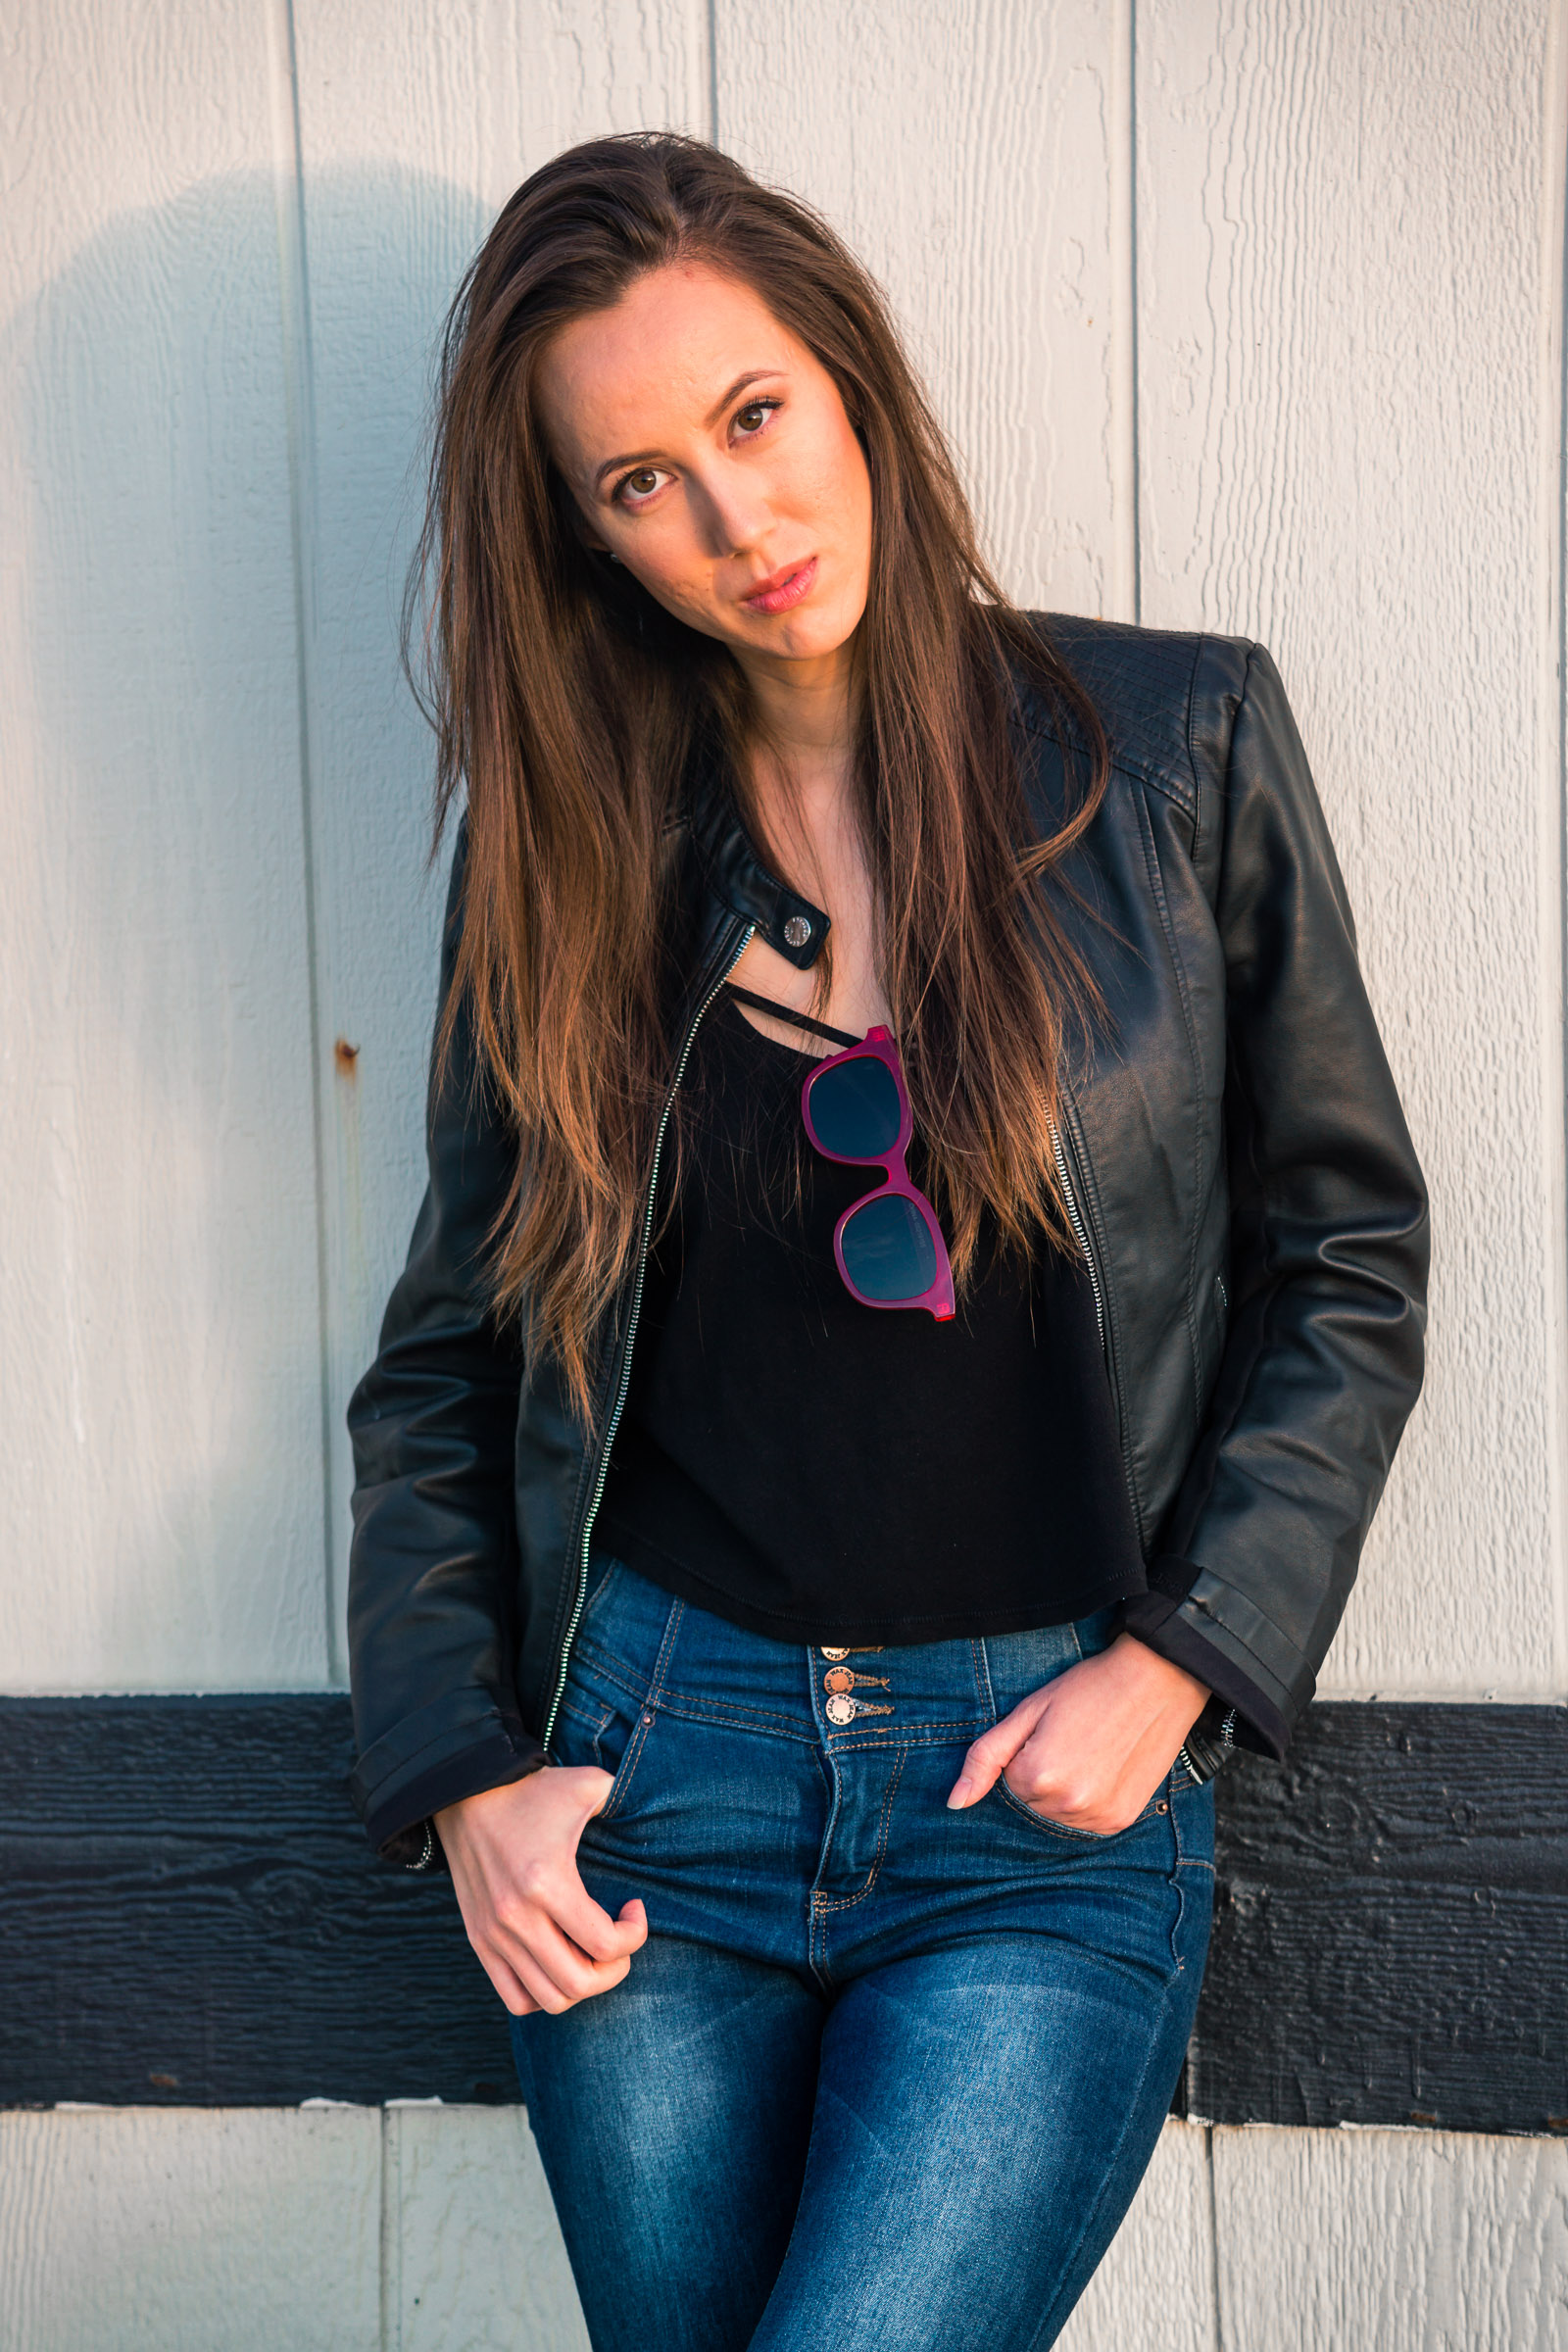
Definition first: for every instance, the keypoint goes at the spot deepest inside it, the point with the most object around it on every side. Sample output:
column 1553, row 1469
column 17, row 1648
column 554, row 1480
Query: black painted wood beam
column 189, row 1916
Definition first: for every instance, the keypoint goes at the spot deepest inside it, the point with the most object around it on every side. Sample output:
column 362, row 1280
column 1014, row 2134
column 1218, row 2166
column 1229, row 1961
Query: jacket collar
column 733, row 873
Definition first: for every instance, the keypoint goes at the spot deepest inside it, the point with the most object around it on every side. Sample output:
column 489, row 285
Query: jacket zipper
column 1078, row 1219
column 1080, row 1235
column 613, row 1423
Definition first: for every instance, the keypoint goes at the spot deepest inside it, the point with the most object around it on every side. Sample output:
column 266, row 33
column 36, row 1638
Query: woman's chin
column 802, row 635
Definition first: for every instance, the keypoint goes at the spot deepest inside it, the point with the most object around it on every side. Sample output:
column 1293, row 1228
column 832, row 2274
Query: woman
column 920, row 1286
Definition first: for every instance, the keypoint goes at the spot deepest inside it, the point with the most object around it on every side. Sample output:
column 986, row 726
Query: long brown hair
column 567, row 703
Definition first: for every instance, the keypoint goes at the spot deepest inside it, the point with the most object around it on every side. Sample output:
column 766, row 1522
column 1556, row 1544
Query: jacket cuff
column 396, row 1827
column 1177, row 1620
column 461, row 1743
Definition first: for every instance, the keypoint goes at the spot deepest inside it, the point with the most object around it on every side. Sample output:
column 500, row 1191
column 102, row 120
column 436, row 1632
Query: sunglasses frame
column 878, row 1045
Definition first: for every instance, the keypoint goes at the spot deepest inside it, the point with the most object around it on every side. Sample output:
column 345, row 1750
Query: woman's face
column 709, row 451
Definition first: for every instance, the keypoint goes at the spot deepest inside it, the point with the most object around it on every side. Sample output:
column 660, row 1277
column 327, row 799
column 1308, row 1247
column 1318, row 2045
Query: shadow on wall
column 164, row 1166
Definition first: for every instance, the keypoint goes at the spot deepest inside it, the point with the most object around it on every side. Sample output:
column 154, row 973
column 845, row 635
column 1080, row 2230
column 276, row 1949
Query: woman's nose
column 734, row 511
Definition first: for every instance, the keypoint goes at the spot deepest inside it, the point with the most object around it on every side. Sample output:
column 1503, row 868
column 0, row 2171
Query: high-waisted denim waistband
column 694, row 1663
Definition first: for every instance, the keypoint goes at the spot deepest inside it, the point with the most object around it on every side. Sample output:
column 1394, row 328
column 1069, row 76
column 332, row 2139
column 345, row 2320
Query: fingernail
column 961, row 1791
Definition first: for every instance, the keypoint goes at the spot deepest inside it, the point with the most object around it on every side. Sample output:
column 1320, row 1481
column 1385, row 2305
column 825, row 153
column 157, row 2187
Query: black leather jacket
column 1237, row 1161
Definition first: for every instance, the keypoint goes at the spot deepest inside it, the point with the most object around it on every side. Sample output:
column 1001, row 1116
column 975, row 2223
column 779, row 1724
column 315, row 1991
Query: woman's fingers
column 555, row 1971
column 507, row 1982
column 995, row 1749
column 591, row 1928
column 566, row 1947
column 544, row 1942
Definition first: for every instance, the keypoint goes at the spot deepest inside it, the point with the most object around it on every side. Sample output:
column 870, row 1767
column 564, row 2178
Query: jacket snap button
column 797, row 931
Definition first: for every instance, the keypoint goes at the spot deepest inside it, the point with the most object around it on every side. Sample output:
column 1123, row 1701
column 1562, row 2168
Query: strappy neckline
column 787, row 1013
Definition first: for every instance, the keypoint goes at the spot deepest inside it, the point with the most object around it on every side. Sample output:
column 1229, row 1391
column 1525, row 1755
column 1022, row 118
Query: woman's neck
column 805, row 754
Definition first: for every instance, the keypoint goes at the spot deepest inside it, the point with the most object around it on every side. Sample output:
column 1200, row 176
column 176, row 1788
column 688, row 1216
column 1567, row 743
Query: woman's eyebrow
column 642, row 457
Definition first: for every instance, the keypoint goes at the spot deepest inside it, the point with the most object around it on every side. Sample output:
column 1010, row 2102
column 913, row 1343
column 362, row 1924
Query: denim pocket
column 1157, row 1804
column 608, row 1731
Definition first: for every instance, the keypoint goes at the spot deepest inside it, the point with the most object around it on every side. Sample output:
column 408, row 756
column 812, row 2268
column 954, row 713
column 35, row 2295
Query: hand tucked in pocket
column 542, row 1939
column 1091, row 1747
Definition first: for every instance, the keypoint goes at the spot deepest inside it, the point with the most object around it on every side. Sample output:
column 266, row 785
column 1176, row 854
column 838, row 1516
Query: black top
column 832, row 1473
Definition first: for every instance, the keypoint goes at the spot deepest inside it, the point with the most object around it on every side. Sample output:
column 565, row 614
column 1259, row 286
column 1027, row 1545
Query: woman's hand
column 543, row 1940
column 1090, row 1748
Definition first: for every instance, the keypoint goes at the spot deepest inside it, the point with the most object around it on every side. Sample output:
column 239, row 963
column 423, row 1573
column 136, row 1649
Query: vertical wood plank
column 1154, row 2290
column 1408, row 2241
column 415, row 124
column 162, row 1513
column 180, row 2230
column 480, row 2264
column 968, row 153
column 1349, row 449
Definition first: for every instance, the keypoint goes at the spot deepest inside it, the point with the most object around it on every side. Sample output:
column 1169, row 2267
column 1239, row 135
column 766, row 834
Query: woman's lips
column 782, row 589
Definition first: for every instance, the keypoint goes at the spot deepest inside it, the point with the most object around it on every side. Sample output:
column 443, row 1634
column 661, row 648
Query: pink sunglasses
column 888, row 1246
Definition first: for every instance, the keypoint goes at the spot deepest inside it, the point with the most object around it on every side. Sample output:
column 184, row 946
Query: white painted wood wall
column 1246, row 314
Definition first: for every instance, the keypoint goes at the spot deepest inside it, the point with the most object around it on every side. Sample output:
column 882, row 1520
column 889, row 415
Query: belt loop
column 655, row 1689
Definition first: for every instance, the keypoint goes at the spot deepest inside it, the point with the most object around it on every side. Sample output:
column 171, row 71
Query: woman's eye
column 750, row 420
column 636, row 488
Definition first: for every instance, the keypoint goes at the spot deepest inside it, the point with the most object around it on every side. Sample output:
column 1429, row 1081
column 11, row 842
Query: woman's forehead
column 668, row 353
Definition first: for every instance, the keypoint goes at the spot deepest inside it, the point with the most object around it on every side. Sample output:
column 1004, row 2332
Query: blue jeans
column 881, row 2071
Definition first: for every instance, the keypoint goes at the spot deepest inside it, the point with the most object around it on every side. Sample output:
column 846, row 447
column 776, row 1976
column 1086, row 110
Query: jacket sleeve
column 1329, row 1247
column 433, row 1579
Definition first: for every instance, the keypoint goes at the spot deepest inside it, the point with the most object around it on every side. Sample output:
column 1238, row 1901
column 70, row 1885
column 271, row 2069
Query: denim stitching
column 988, row 1696
column 1064, row 1829
column 817, row 1949
column 894, row 1735
column 825, row 1904
column 734, row 1712
column 649, row 1702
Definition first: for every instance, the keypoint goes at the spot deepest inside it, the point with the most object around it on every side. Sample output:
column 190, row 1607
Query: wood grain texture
column 415, row 124
column 970, row 153
column 1405, row 2241
column 1391, row 1932
column 160, row 1382
column 189, row 1915
column 477, row 2263
column 1156, row 2286
column 171, row 2232
column 1349, row 448
column 234, row 1941
column 481, row 2266
column 166, row 2231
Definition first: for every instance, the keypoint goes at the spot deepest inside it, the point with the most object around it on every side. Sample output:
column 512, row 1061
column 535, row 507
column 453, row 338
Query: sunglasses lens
column 888, row 1251
column 854, row 1108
